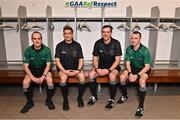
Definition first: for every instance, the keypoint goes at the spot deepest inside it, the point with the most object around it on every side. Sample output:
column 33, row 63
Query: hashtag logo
column 67, row 4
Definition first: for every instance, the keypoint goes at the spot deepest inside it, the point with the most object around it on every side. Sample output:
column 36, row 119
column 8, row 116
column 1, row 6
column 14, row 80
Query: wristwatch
column 129, row 73
column 138, row 75
column 44, row 75
column 79, row 70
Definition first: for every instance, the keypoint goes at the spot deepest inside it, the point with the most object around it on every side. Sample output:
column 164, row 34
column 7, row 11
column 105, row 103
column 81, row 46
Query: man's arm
column 128, row 66
column 27, row 70
column 48, row 66
column 95, row 62
column 145, row 69
column 81, row 63
column 116, row 63
column 59, row 65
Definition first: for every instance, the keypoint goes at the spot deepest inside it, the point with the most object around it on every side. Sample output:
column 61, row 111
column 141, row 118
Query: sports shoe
column 80, row 102
column 49, row 104
column 65, row 105
column 27, row 107
column 110, row 104
column 92, row 100
column 139, row 112
column 122, row 99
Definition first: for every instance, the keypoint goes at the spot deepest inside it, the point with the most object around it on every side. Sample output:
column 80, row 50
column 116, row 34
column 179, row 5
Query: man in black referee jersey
column 106, row 58
column 69, row 61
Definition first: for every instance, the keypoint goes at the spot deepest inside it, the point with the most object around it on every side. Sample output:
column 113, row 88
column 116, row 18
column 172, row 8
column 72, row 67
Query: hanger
column 151, row 27
column 82, row 26
column 33, row 26
column 5, row 26
column 163, row 27
column 173, row 26
column 123, row 27
column 136, row 27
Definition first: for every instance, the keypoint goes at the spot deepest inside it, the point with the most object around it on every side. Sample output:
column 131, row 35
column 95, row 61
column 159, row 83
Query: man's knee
column 123, row 77
column 112, row 77
column 81, row 77
column 26, row 82
column 142, row 80
column 92, row 74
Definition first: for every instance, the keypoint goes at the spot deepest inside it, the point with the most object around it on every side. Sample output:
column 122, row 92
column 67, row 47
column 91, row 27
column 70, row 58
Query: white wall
column 37, row 8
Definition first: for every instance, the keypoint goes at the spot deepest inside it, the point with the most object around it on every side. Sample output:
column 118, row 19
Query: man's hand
column 102, row 72
column 71, row 72
column 42, row 78
column 132, row 78
column 36, row 80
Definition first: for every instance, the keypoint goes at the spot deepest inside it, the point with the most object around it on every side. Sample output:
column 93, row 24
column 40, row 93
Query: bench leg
column 40, row 89
column 155, row 87
column 99, row 87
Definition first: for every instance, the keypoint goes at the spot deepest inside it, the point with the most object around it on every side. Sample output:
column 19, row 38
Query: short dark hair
column 107, row 26
column 67, row 28
column 137, row 32
column 34, row 33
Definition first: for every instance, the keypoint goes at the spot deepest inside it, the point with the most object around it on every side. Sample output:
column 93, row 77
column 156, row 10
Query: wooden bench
column 156, row 76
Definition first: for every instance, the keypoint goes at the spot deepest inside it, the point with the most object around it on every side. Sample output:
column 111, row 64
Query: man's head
column 107, row 32
column 68, row 33
column 135, row 38
column 36, row 39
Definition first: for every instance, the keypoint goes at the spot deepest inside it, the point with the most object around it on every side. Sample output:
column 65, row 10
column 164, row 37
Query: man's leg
column 112, row 89
column 28, row 93
column 50, row 91
column 93, row 87
column 64, row 90
column 81, row 88
column 123, row 87
column 142, row 94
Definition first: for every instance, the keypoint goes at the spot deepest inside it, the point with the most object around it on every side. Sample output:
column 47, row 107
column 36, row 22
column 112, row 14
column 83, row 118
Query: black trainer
column 110, row 104
column 49, row 104
column 27, row 107
column 65, row 105
column 122, row 99
column 80, row 102
column 92, row 100
column 139, row 113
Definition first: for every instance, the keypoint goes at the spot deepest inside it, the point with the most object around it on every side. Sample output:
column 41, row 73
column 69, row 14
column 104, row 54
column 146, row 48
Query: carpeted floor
column 164, row 104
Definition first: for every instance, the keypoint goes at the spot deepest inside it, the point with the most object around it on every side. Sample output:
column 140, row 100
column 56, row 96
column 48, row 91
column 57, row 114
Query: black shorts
column 118, row 68
column 137, row 70
column 67, row 68
column 37, row 72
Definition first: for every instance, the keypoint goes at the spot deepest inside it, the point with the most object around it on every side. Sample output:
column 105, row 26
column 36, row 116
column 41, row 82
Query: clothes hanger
column 82, row 26
column 123, row 27
column 136, row 27
column 173, row 26
column 25, row 26
column 5, row 26
column 151, row 27
column 163, row 27
column 35, row 26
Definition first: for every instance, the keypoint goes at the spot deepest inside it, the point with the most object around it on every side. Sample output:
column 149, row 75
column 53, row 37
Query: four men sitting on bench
column 69, row 60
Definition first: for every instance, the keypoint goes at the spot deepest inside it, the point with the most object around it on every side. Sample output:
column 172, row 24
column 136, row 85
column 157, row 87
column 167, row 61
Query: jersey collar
column 42, row 46
column 138, row 48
